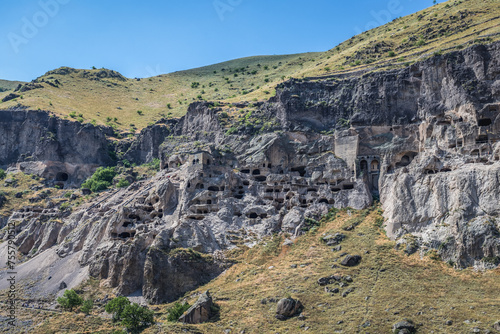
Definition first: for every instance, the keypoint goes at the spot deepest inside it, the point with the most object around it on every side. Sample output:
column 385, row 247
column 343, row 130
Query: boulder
column 404, row 327
column 351, row 260
column 496, row 326
column 287, row 308
column 200, row 312
column 333, row 239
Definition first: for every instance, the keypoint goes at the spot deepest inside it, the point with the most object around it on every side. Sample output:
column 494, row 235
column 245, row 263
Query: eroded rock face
column 419, row 137
column 169, row 276
column 60, row 150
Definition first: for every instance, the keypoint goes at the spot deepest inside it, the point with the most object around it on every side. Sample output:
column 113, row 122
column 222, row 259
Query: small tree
column 87, row 306
column 135, row 316
column 2, row 174
column 69, row 300
column 116, row 306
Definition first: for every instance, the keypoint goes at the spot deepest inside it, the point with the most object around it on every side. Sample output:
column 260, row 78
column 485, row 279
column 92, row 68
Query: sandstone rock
column 287, row 308
column 351, row 260
column 200, row 312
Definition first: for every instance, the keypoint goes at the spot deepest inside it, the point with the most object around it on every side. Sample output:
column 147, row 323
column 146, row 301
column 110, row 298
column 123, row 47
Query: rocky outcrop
column 169, row 276
column 420, row 138
column 63, row 151
column 398, row 97
column 146, row 146
column 426, row 138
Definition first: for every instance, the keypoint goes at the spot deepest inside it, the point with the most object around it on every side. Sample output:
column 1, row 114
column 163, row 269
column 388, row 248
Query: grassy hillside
column 131, row 104
column 388, row 286
column 6, row 85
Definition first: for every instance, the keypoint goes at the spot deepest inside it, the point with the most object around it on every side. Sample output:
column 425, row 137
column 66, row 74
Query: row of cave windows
column 481, row 122
column 300, row 170
column 270, row 190
column 197, row 162
column 202, row 186
column 254, row 215
column 123, row 235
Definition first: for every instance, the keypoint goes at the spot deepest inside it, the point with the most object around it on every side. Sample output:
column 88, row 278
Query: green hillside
column 104, row 96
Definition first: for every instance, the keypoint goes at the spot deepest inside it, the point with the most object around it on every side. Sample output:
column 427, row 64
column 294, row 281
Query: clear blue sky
column 150, row 37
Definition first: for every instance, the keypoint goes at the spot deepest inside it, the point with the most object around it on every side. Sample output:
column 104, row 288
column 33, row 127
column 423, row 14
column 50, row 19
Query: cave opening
column 301, row 170
column 348, row 186
column 62, row 177
column 484, row 122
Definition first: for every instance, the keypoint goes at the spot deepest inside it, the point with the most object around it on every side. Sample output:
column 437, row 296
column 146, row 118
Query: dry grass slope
column 388, row 286
column 95, row 95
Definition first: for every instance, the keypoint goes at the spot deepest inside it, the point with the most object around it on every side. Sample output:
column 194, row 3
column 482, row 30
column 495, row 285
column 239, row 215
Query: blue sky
column 151, row 37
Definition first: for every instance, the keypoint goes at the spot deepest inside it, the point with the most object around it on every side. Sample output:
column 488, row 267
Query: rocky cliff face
column 433, row 87
column 432, row 130
column 59, row 150
column 424, row 138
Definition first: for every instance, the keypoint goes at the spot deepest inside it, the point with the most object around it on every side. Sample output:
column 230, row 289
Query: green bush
column 176, row 311
column 101, row 179
column 116, row 306
column 3, row 174
column 154, row 165
column 122, row 183
column 87, row 306
column 69, row 300
column 135, row 316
